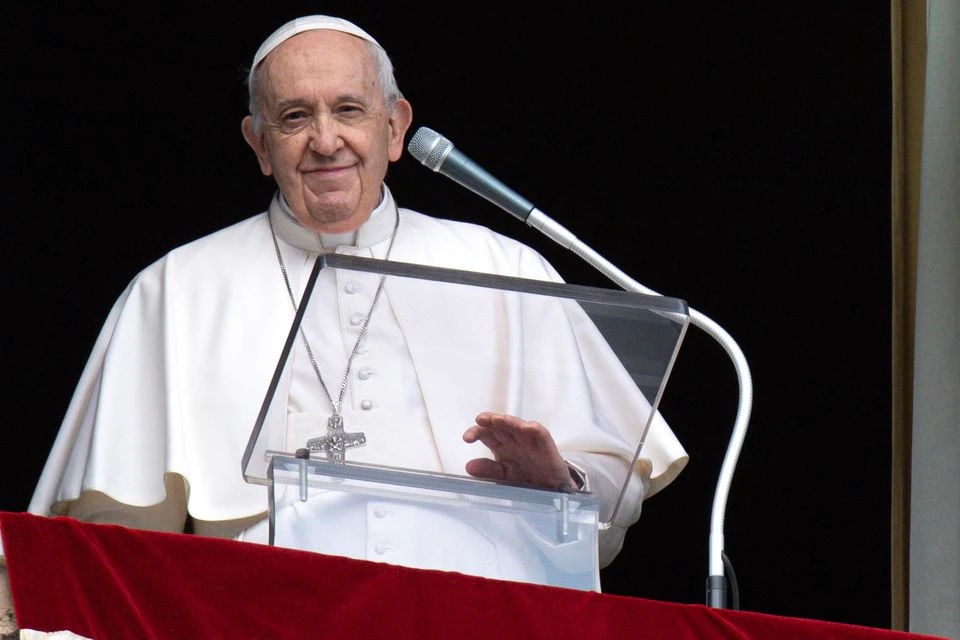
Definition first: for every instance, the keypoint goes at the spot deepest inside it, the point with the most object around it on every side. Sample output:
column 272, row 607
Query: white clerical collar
column 378, row 227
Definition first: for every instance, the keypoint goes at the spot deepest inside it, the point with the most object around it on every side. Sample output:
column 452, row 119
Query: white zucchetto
column 307, row 23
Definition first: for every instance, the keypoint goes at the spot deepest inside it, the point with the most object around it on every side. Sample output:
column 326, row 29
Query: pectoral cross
column 336, row 441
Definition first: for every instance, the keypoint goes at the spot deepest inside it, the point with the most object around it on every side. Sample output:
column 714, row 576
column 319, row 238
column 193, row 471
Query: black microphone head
column 429, row 147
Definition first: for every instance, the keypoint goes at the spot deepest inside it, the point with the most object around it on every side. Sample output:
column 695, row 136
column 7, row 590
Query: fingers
column 486, row 468
column 503, row 420
column 500, row 431
column 523, row 451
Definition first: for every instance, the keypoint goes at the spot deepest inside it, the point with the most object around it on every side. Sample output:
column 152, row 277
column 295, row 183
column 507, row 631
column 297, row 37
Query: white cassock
column 180, row 369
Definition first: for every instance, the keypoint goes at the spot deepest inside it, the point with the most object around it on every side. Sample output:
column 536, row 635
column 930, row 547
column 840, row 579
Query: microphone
column 438, row 154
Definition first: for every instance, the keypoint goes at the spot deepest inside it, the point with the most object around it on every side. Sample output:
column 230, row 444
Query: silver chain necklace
column 336, row 440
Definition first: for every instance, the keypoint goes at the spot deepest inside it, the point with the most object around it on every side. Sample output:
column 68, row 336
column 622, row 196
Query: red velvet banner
column 109, row 582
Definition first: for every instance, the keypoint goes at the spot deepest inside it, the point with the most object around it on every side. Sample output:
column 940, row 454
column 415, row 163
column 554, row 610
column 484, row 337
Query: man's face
column 327, row 137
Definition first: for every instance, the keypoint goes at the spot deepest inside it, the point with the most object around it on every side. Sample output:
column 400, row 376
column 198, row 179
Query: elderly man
column 162, row 413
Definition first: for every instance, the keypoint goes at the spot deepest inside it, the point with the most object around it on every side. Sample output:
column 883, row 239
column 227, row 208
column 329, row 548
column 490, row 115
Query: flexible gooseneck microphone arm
column 438, row 154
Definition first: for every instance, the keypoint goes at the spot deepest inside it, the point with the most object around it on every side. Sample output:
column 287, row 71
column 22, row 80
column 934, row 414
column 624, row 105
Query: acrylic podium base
column 434, row 521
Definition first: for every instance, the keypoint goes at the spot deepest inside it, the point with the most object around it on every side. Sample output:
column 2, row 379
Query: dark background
column 735, row 155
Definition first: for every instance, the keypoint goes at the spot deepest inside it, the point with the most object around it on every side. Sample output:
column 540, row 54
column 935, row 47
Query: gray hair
column 385, row 78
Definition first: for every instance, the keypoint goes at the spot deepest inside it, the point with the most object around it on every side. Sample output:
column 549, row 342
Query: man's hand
column 524, row 452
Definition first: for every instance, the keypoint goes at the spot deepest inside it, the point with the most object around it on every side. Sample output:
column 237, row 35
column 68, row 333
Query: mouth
column 325, row 172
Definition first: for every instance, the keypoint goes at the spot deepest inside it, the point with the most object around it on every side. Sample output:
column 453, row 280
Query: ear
column 399, row 122
column 256, row 143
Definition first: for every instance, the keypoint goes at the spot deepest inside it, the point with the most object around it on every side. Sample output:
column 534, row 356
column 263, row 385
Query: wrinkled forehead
column 307, row 23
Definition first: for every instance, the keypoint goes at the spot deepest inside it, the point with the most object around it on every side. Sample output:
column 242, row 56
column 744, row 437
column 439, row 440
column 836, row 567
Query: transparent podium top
column 430, row 348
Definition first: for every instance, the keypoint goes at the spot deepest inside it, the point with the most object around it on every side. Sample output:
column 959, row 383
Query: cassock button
column 357, row 319
column 365, row 373
column 351, row 287
column 366, row 405
column 381, row 549
column 380, row 512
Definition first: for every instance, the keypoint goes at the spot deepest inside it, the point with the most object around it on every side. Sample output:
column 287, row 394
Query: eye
column 293, row 120
column 294, row 117
column 351, row 111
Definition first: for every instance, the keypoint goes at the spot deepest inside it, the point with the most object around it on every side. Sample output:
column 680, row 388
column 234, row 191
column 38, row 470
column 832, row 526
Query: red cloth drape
column 110, row 582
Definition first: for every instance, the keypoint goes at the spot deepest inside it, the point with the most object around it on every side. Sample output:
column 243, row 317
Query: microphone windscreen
column 429, row 147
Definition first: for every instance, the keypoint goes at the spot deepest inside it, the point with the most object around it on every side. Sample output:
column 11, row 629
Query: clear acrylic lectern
column 588, row 363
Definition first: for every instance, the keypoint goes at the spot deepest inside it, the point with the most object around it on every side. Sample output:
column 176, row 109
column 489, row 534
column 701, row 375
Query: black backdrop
column 735, row 155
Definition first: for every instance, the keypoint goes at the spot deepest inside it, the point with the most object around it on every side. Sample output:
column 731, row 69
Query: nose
column 324, row 134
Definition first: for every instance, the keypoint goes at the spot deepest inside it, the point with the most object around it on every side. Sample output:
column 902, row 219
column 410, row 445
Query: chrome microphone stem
column 556, row 232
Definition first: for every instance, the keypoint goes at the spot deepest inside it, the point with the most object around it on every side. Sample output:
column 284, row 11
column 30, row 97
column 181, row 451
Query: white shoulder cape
column 175, row 380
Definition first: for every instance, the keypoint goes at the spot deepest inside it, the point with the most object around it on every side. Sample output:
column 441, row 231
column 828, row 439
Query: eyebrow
column 283, row 105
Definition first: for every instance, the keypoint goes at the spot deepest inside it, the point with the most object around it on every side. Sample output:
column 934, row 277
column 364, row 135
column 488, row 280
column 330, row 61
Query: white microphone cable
column 438, row 154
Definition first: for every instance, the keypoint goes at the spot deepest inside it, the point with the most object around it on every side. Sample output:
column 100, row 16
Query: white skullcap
column 307, row 23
